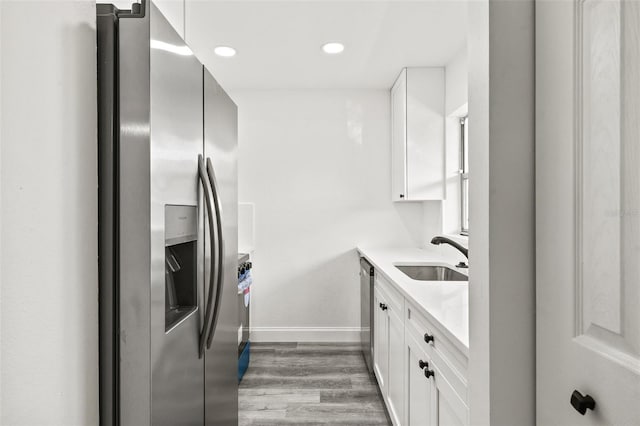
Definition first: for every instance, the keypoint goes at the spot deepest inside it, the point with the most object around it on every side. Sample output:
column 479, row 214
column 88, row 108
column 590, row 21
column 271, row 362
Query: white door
column 448, row 409
column 381, row 341
column 396, row 365
column 588, row 211
column 418, row 387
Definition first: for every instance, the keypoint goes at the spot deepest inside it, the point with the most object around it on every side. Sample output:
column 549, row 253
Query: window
column 464, row 175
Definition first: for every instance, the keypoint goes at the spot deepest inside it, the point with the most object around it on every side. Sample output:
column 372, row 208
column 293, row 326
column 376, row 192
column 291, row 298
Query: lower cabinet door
column 380, row 342
column 396, row 367
column 449, row 408
column 418, row 387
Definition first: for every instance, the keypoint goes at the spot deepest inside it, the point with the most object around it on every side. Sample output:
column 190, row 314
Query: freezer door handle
column 219, row 250
column 202, row 174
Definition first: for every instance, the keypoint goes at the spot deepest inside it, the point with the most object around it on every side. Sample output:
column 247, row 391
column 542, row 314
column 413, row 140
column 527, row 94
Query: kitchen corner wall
column 48, row 214
column 316, row 163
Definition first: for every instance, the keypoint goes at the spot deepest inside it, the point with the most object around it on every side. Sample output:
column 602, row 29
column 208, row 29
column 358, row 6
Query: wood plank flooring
column 309, row 384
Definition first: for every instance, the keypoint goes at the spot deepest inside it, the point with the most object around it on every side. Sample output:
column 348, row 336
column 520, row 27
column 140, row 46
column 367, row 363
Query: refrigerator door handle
column 202, row 174
column 219, row 249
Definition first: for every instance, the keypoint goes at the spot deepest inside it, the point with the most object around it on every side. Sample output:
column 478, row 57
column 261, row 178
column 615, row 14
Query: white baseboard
column 305, row 334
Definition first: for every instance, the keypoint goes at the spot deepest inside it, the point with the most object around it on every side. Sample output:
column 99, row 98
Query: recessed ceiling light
column 225, row 51
column 333, row 48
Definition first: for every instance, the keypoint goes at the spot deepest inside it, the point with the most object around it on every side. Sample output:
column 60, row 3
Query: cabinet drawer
column 450, row 361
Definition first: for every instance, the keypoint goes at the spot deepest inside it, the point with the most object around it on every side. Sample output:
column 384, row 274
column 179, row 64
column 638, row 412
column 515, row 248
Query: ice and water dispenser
column 181, row 261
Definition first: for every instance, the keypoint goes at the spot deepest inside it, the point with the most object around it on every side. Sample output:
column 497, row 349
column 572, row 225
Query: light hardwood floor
column 309, row 384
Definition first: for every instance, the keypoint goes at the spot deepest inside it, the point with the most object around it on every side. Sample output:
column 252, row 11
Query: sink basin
column 432, row 273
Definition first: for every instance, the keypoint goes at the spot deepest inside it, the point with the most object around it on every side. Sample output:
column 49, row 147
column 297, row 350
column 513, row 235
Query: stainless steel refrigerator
column 168, row 228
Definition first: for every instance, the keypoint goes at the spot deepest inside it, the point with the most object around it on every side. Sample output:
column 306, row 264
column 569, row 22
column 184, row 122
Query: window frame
column 464, row 176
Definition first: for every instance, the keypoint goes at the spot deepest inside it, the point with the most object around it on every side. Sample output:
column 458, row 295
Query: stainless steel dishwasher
column 366, row 312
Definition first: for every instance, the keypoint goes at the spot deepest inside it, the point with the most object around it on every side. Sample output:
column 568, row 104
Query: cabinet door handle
column 428, row 337
column 423, row 364
column 582, row 403
column 383, row 307
column 401, row 195
column 428, row 373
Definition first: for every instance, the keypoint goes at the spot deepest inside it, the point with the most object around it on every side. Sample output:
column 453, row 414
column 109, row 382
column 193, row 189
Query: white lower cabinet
column 419, row 388
column 421, row 375
column 381, row 340
column 395, row 393
column 448, row 408
column 388, row 357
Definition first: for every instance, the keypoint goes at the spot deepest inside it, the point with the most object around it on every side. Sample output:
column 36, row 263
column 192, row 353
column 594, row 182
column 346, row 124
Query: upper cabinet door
column 417, row 116
column 398, row 138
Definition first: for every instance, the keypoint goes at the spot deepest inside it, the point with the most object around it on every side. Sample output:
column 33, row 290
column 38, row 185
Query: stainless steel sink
column 432, row 273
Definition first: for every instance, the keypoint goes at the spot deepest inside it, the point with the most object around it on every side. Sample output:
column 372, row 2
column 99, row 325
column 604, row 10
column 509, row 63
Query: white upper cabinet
column 417, row 135
column 398, row 138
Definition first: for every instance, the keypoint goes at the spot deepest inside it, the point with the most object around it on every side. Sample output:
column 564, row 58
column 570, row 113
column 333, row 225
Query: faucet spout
column 439, row 240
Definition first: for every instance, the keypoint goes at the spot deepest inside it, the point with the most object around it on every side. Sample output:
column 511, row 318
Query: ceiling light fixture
column 333, row 48
column 225, row 51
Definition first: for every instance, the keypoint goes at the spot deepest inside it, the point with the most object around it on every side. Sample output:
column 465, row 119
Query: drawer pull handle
column 428, row 373
column 582, row 403
column 428, row 337
column 423, row 364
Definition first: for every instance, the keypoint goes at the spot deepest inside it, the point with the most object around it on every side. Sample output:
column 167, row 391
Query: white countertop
column 445, row 303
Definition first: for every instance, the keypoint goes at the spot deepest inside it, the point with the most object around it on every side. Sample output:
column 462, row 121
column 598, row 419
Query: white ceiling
column 279, row 42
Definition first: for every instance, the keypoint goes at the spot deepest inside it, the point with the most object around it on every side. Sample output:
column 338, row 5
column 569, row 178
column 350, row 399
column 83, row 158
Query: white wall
column 432, row 224
column 456, row 99
column 502, row 231
column 317, row 166
column 457, row 82
column 48, row 215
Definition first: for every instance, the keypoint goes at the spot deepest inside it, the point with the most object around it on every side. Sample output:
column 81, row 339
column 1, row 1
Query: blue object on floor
column 243, row 361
